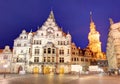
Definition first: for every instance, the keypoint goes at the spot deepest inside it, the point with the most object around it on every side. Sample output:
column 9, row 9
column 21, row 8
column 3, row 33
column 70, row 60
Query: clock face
column 50, row 30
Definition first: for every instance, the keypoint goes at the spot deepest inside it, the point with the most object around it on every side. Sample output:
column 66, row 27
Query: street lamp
column 5, row 66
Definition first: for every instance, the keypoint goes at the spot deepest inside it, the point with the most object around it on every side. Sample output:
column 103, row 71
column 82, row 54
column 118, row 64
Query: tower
column 94, row 37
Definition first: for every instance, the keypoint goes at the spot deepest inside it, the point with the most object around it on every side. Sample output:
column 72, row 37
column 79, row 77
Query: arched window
column 49, row 50
column 53, row 51
column 44, row 50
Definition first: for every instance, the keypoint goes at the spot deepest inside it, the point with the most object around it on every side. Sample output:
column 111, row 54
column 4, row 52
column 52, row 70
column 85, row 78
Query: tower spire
column 92, row 25
column 111, row 21
column 51, row 15
column 91, row 16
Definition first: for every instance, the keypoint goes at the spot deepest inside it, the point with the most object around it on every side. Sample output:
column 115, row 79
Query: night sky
column 71, row 15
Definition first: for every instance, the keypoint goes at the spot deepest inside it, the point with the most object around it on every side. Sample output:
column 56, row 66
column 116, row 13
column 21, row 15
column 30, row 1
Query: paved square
column 59, row 79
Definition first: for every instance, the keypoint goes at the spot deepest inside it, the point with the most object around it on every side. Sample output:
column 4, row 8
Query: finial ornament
column 68, row 32
column 51, row 15
column 91, row 16
column 111, row 21
column 38, row 27
column 31, row 31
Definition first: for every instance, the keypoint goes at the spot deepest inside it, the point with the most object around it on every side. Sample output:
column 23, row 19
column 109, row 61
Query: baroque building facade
column 50, row 50
column 5, row 59
column 113, row 46
column 44, row 51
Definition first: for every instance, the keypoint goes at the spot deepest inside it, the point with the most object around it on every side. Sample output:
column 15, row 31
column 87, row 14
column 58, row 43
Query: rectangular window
column 36, row 59
column 67, row 42
column 53, row 51
column 37, row 51
column 29, row 50
column 62, row 51
column 82, row 59
column 44, row 59
column 52, row 59
column 18, row 45
column 58, row 42
column 40, row 42
column 61, row 60
column 68, row 51
column 49, row 50
column 74, row 59
column 48, row 59
column 77, row 59
column 34, row 41
column 86, row 60
column 44, row 50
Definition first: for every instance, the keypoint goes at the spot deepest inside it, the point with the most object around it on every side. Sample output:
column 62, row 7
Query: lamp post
column 5, row 66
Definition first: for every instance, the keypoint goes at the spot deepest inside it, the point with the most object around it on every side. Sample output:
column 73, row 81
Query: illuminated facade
column 6, row 58
column 113, row 46
column 94, row 38
column 48, row 50
column 99, row 58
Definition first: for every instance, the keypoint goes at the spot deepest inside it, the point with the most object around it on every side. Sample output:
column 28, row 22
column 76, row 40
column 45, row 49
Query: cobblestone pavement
column 59, row 79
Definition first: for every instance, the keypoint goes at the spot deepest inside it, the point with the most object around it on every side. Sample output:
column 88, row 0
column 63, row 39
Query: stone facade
column 50, row 50
column 95, row 45
column 6, row 58
column 113, row 45
column 44, row 51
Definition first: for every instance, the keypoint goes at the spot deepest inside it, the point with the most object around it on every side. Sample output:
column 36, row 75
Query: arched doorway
column 35, row 70
column 20, row 68
column 61, row 71
column 46, row 70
